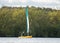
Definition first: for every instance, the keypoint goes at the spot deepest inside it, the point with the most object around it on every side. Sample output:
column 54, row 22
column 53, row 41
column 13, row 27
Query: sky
column 38, row 3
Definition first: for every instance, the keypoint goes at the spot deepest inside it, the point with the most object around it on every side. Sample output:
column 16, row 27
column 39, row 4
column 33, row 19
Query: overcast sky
column 39, row 3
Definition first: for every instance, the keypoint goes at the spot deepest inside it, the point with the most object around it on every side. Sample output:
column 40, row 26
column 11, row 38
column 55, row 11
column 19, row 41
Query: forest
column 43, row 22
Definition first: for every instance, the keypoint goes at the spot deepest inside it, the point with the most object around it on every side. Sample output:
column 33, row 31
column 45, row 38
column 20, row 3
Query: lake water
column 29, row 40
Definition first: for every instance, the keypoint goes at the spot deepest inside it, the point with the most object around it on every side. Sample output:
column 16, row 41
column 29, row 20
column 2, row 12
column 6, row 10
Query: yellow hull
column 25, row 37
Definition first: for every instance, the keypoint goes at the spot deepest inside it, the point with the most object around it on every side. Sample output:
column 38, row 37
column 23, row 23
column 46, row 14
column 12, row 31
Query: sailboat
column 27, row 24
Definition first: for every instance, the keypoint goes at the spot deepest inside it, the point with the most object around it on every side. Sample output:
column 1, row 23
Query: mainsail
column 27, row 19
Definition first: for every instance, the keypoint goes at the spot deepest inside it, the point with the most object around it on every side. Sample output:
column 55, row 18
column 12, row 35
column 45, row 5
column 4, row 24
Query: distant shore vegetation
column 43, row 22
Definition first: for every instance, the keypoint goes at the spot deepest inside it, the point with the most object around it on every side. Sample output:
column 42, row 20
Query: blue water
column 29, row 40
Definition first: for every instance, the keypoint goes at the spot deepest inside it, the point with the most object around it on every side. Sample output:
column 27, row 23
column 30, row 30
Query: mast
column 27, row 20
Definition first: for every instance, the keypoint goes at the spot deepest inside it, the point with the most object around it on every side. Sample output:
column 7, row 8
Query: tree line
column 44, row 22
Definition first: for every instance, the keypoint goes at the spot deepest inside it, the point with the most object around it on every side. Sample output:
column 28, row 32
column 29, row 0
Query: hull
column 25, row 37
